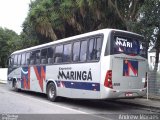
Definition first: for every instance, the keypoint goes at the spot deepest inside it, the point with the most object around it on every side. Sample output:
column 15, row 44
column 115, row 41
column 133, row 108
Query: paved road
column 34, row 103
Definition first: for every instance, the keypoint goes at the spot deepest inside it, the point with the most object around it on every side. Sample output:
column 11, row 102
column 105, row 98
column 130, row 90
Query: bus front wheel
column 14, row 85
column 51, row 92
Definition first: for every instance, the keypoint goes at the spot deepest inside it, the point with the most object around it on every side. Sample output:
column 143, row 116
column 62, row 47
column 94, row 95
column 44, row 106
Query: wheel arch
column 48, row 82
column 14, row 79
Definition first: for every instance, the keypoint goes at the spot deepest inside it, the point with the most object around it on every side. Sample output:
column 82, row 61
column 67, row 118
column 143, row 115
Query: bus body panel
column 76, row 80
column 88, row 86
column 137, row 90
column 36, row 79
column 128, row 73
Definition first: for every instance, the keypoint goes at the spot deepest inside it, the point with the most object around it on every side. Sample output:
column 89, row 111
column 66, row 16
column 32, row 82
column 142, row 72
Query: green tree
column 127, row 11
column 8, row 43
column 38, row 17
column 57, row 19
column 3, row 50
column 148, row 24
column 28, row 35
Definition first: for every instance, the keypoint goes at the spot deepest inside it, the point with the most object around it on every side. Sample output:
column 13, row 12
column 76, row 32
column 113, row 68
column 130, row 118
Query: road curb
column 149, row 107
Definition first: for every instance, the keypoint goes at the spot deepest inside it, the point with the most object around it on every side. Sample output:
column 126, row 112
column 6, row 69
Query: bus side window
column 58, row 54
column 23, row 62
column 99, row 47
column 15, row 60
column 11, row 61
column 44, row 56
column 50, row 55
column 19, row 59
column 32, row 58
column 92, row 49
column 37, row 57
column 95, row 46
column 27, row 58
column 76, row 49
column 83, row 51
column 67, row 53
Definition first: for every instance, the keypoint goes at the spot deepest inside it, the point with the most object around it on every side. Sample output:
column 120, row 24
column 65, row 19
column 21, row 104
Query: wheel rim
column 51, row 92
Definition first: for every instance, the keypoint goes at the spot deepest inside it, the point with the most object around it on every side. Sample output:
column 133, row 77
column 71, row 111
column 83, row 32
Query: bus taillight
column 145, row 84
column 108, row 79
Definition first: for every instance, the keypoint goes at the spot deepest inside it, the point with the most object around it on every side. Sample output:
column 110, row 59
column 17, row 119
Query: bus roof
column 72, row 38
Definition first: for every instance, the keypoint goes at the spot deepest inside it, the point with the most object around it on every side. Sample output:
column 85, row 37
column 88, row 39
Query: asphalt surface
column 31, row 105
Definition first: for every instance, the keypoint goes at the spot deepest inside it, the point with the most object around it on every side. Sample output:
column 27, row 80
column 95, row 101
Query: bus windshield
column 129, row 46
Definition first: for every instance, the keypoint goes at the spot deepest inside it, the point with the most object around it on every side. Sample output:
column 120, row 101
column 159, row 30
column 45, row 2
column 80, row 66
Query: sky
column 13, row 14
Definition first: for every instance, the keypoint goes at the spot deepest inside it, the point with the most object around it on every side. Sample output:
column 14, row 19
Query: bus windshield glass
column 129, row 46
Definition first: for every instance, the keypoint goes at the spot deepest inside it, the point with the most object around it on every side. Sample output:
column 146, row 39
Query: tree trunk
column 157, row 59
column 157, row 47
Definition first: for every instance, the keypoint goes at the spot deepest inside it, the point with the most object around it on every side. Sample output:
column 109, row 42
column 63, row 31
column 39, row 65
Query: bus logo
column 130, row 68
column 123, row 42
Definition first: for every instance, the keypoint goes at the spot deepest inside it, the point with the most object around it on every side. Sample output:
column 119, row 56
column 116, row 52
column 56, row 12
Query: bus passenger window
column 99, row 47
column 32, row 58
column 27, row 58
column 58, row 54
column 67, row 53
column 83, row 52
column 50, row 55
column 92, row 49
column 76, row 49
column 19, row 59
column 15, row 59
column 11, row 61
column 44, row 56
column 23, row 62
column 37, row 56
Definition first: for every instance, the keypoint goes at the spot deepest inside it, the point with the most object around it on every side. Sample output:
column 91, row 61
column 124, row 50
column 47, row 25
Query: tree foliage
column 9, row 41
column 127, row 11
column 148, row 25
column 55, row 19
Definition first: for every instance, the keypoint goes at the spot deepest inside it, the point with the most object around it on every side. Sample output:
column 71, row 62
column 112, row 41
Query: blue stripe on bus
column 79, row 85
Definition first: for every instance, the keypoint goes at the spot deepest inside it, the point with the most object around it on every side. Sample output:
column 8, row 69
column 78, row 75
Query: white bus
column 102, row 64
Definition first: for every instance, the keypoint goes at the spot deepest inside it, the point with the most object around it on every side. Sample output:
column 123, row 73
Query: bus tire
column 51, row 92
column 14, row 85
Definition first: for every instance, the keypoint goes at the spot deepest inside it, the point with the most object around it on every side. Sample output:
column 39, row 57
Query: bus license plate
column 128, row 94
